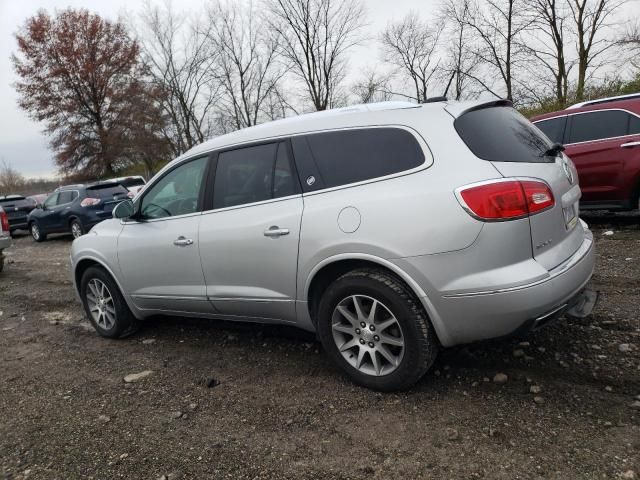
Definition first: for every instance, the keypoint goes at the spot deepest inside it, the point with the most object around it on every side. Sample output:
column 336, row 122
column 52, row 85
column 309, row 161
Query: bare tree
column 372, row 87
column 184, row 69
column 11, row 181
column 412, row 46
column 461, row 62
column 496, row 26
column 314, row 37
column 247, row 58
column 590, row 19
column 548, row 45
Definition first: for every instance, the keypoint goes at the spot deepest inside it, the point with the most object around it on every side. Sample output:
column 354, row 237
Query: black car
column 17, row 209
column 75, row 209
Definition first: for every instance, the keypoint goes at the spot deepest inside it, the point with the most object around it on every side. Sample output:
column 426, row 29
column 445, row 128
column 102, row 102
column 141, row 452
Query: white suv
column 389, row 229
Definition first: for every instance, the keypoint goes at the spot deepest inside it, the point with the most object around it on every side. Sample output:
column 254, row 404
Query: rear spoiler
column 460, row 108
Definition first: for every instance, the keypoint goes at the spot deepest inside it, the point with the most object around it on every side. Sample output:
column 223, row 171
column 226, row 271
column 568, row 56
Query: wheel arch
column 85, row 263
column 331, row 268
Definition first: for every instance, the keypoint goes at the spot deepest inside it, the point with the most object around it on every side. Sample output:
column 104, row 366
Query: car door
column 158, row 249
column 49, row 218
column 249, row 238
column 593, row 141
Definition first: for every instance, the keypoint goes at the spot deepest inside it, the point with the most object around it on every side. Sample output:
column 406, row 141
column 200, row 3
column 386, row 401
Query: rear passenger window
column 598, row 125
column 553, row 128
column 66, row 197
column 350, row 156
column 253, row 174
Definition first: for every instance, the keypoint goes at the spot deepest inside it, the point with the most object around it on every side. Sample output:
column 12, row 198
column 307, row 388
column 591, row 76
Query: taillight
column 507, row 199
column 89, row 202
column 4, row 220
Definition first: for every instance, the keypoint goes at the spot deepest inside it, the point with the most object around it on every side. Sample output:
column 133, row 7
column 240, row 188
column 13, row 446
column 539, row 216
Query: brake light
column 507, row 199
column 4, row 220
column 89, row 202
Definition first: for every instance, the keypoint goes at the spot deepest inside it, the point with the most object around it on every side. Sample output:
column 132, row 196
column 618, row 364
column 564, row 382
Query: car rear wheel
column 37, row 234
column 105, row 306
column 77, row 230
column 374, row 328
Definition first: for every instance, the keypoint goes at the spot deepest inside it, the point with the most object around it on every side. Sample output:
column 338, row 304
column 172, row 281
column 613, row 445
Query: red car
column 602, row 137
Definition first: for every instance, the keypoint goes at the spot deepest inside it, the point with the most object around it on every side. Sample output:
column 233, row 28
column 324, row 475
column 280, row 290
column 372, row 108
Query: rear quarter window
column 553, row 128
column 350, row 156
column 501, row 134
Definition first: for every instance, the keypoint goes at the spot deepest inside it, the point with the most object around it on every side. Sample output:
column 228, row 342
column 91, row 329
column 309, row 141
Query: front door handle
column 630, row 145
column 276, row 231
column 182, row 242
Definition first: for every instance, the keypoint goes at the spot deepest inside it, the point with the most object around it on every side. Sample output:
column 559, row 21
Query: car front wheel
column 105, row 306
column 376, row 330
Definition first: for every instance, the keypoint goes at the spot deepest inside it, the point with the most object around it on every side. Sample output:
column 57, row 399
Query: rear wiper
column 554, row 151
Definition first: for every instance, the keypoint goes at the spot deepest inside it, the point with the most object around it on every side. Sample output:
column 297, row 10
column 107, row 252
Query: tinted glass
column 244, row 175
column 66, row 196
column 283, row 177
column 553, row 128
column 109, row 190
column 51, row 200
column 176, row 193
column 350, row 156
column 501, row 134
column 598, row 125
column 132, row 182
column 634, row 124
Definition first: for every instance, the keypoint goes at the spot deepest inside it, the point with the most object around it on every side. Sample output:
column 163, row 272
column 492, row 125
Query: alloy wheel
column 367, row 335
column 101, row 304
column 76, row 231
column 35, row 231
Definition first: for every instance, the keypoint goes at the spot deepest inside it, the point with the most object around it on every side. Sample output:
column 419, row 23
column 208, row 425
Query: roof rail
column 604, row 100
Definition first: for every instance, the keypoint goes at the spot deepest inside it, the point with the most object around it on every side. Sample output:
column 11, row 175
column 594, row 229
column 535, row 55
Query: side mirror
column 124, row 209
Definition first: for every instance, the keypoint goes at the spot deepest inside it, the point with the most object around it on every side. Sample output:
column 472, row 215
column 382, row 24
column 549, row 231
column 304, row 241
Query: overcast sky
column 23, row 145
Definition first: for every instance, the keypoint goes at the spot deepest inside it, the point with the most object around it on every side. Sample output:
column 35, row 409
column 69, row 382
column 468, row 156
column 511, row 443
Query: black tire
column 1, row 261
column 76, row 228
column 38, row 235
column 420, row 343
column 125, row 323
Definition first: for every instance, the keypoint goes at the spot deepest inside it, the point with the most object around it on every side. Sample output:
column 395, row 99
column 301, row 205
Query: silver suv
column 389, row 229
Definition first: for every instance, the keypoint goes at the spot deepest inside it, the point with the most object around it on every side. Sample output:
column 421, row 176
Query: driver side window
column 51, row 200
column 176, row 193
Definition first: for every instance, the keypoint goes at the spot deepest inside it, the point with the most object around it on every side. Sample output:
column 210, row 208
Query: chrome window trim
column 428, row 158
column 594, row 111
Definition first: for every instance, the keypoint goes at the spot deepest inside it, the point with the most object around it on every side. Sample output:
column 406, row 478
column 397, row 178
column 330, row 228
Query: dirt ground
column 281, row 410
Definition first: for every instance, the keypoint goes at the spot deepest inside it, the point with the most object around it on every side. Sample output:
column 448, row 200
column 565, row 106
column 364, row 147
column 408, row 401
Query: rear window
column 349, row 156
column 10, row 199
column 131, row 182
column 501, row 134
column 106, row 191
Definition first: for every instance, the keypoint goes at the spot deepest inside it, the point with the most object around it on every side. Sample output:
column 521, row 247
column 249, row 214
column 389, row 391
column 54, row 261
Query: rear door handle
column 182, row 242
column 276, row 231
column 630, row 145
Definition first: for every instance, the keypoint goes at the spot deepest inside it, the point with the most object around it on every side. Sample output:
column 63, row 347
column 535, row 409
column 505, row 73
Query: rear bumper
column 470, row 316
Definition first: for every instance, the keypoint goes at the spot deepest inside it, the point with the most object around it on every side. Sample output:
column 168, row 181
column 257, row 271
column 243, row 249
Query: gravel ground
column 230, row 400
